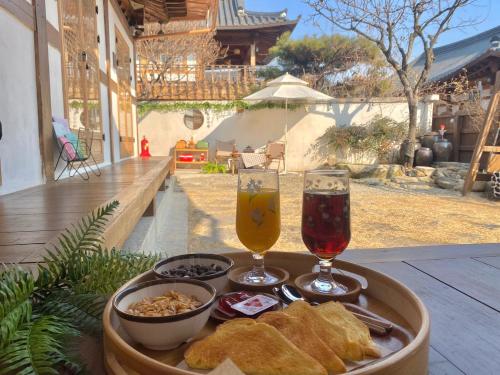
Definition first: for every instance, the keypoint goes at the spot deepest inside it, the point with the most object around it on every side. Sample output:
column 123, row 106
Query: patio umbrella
column 288, row 89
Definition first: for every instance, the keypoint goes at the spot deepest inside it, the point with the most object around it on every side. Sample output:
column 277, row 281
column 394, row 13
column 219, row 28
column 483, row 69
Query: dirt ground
column 380, row 216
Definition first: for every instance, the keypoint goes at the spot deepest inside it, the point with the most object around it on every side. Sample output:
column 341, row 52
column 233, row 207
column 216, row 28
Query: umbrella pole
column 286, row 136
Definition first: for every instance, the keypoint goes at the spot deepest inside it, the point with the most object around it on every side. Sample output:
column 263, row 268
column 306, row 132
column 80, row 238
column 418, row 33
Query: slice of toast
column 356, row 330
column 334, row 336
column 305, row 339
column 256, row 348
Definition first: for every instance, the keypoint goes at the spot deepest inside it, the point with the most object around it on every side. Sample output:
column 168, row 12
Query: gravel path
column 381, row 216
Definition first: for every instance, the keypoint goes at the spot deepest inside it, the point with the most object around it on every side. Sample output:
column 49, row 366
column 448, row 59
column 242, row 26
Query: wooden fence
column 194, row 82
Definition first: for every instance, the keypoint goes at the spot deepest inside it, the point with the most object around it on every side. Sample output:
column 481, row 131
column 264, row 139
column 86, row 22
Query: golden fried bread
column 256, row 348
column 356, row 330
column 335, row 336
column 305, row 339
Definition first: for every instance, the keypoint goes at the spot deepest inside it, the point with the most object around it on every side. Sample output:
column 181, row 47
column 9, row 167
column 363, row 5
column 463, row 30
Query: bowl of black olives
column 211, row 268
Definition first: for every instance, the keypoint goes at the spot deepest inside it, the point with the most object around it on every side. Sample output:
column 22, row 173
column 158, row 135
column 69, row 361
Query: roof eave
column 489, row 53
column 290, row 25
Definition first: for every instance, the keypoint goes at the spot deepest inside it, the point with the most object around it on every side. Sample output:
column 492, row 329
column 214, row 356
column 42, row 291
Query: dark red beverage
column 326, row 222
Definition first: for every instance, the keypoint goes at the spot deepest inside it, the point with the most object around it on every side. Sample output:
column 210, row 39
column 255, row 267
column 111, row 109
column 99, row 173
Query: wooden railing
column 194, row 82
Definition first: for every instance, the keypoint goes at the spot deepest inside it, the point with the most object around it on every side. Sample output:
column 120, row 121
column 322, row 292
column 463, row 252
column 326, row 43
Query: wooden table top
column 460, row 285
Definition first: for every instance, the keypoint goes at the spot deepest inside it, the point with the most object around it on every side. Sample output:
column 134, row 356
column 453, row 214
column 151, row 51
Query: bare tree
column 395, row 26
column 157, row 56
column 458, row 91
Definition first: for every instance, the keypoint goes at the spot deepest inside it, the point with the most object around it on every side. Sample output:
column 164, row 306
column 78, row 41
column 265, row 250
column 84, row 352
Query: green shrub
column 212, row 168
column 379, row 136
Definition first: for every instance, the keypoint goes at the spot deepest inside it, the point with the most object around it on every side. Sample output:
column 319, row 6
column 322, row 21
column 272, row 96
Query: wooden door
column 125, row 123
column 81, row 72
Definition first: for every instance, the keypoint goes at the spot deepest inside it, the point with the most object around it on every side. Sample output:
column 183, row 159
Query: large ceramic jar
column 429, row 139
column 442, row 150
column 423, row 157
column 404, row 148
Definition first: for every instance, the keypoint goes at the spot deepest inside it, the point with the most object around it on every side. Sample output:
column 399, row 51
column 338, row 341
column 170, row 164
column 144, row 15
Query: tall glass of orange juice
column 258, row 219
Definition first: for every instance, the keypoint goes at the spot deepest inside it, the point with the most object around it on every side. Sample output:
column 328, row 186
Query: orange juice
column 258, row 219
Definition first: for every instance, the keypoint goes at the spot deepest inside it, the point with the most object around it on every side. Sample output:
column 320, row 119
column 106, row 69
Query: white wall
column 21, row 165
column 256, row 128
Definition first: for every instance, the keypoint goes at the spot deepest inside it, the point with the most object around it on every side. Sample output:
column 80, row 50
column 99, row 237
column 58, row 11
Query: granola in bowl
column 171, row 303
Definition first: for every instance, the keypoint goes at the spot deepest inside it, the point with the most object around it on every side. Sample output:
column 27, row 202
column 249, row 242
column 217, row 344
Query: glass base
column 328, row 287
column 254, row 278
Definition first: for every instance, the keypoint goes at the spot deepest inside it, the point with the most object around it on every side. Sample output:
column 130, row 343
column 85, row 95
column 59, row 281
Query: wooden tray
column 383, row 296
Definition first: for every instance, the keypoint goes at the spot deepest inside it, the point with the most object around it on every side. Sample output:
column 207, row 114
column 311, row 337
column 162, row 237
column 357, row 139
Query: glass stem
column 258, row 265
column 325, row 271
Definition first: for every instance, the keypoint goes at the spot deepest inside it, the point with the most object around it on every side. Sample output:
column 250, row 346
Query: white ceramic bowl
column 218, row 280
column 166, row 332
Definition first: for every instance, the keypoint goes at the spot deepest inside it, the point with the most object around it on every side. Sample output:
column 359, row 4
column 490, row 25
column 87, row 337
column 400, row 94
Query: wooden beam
column 190, row 32
column 252, row 53
column 53, row 37
column 108, row 75
column 120, row 15
column 494, row 164
column 43, row 90
column 491, row 149
column 480, row 143
column 22, row 10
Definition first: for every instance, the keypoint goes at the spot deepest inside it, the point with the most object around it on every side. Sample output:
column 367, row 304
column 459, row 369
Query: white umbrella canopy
column 288, row 89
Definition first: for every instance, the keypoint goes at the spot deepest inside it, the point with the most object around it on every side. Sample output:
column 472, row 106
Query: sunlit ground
column 380, row 216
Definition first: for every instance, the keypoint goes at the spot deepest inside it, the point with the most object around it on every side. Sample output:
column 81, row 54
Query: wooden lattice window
column 81, row 71
column 125, row 123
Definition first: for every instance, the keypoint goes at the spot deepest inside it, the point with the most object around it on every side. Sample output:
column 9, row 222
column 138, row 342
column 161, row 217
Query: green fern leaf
column 37, row 348
column 84, row 310
column 62, row 261
column 16, row 286
column 110, row 269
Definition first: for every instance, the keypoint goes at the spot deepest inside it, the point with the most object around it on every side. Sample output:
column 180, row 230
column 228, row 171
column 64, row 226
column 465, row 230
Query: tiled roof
column 233, row 15
column 452, row 57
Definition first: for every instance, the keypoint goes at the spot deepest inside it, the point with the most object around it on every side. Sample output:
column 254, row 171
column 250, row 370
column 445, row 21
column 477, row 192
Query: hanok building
column 73, row 60
column 245, row 37
column 248, row 35
column 478, row 59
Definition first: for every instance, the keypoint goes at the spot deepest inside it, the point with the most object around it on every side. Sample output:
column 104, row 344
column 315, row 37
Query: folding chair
column 224, row 150
column 75, row 151
column 275, row 151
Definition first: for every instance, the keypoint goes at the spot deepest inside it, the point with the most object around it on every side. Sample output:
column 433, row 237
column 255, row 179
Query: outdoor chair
column 224, row 150
column 74, row 150
column 275, row 151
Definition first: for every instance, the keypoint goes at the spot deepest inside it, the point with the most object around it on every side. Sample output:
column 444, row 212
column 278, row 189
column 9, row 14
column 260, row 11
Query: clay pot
column 429, row 139
column 404, row 148
column 423, row 157
column 442, row 150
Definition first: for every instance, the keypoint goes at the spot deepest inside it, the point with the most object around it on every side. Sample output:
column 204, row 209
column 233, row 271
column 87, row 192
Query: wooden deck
column 460, row 285
column 31, row 218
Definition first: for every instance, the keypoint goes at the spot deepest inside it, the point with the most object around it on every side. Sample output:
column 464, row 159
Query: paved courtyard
column 381, row 216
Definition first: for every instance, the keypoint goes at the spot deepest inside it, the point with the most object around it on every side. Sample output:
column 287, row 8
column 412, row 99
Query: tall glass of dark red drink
column 326, row 222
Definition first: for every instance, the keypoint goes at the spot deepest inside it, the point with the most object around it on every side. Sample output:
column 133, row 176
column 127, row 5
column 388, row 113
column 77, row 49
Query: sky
column 486, row 11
